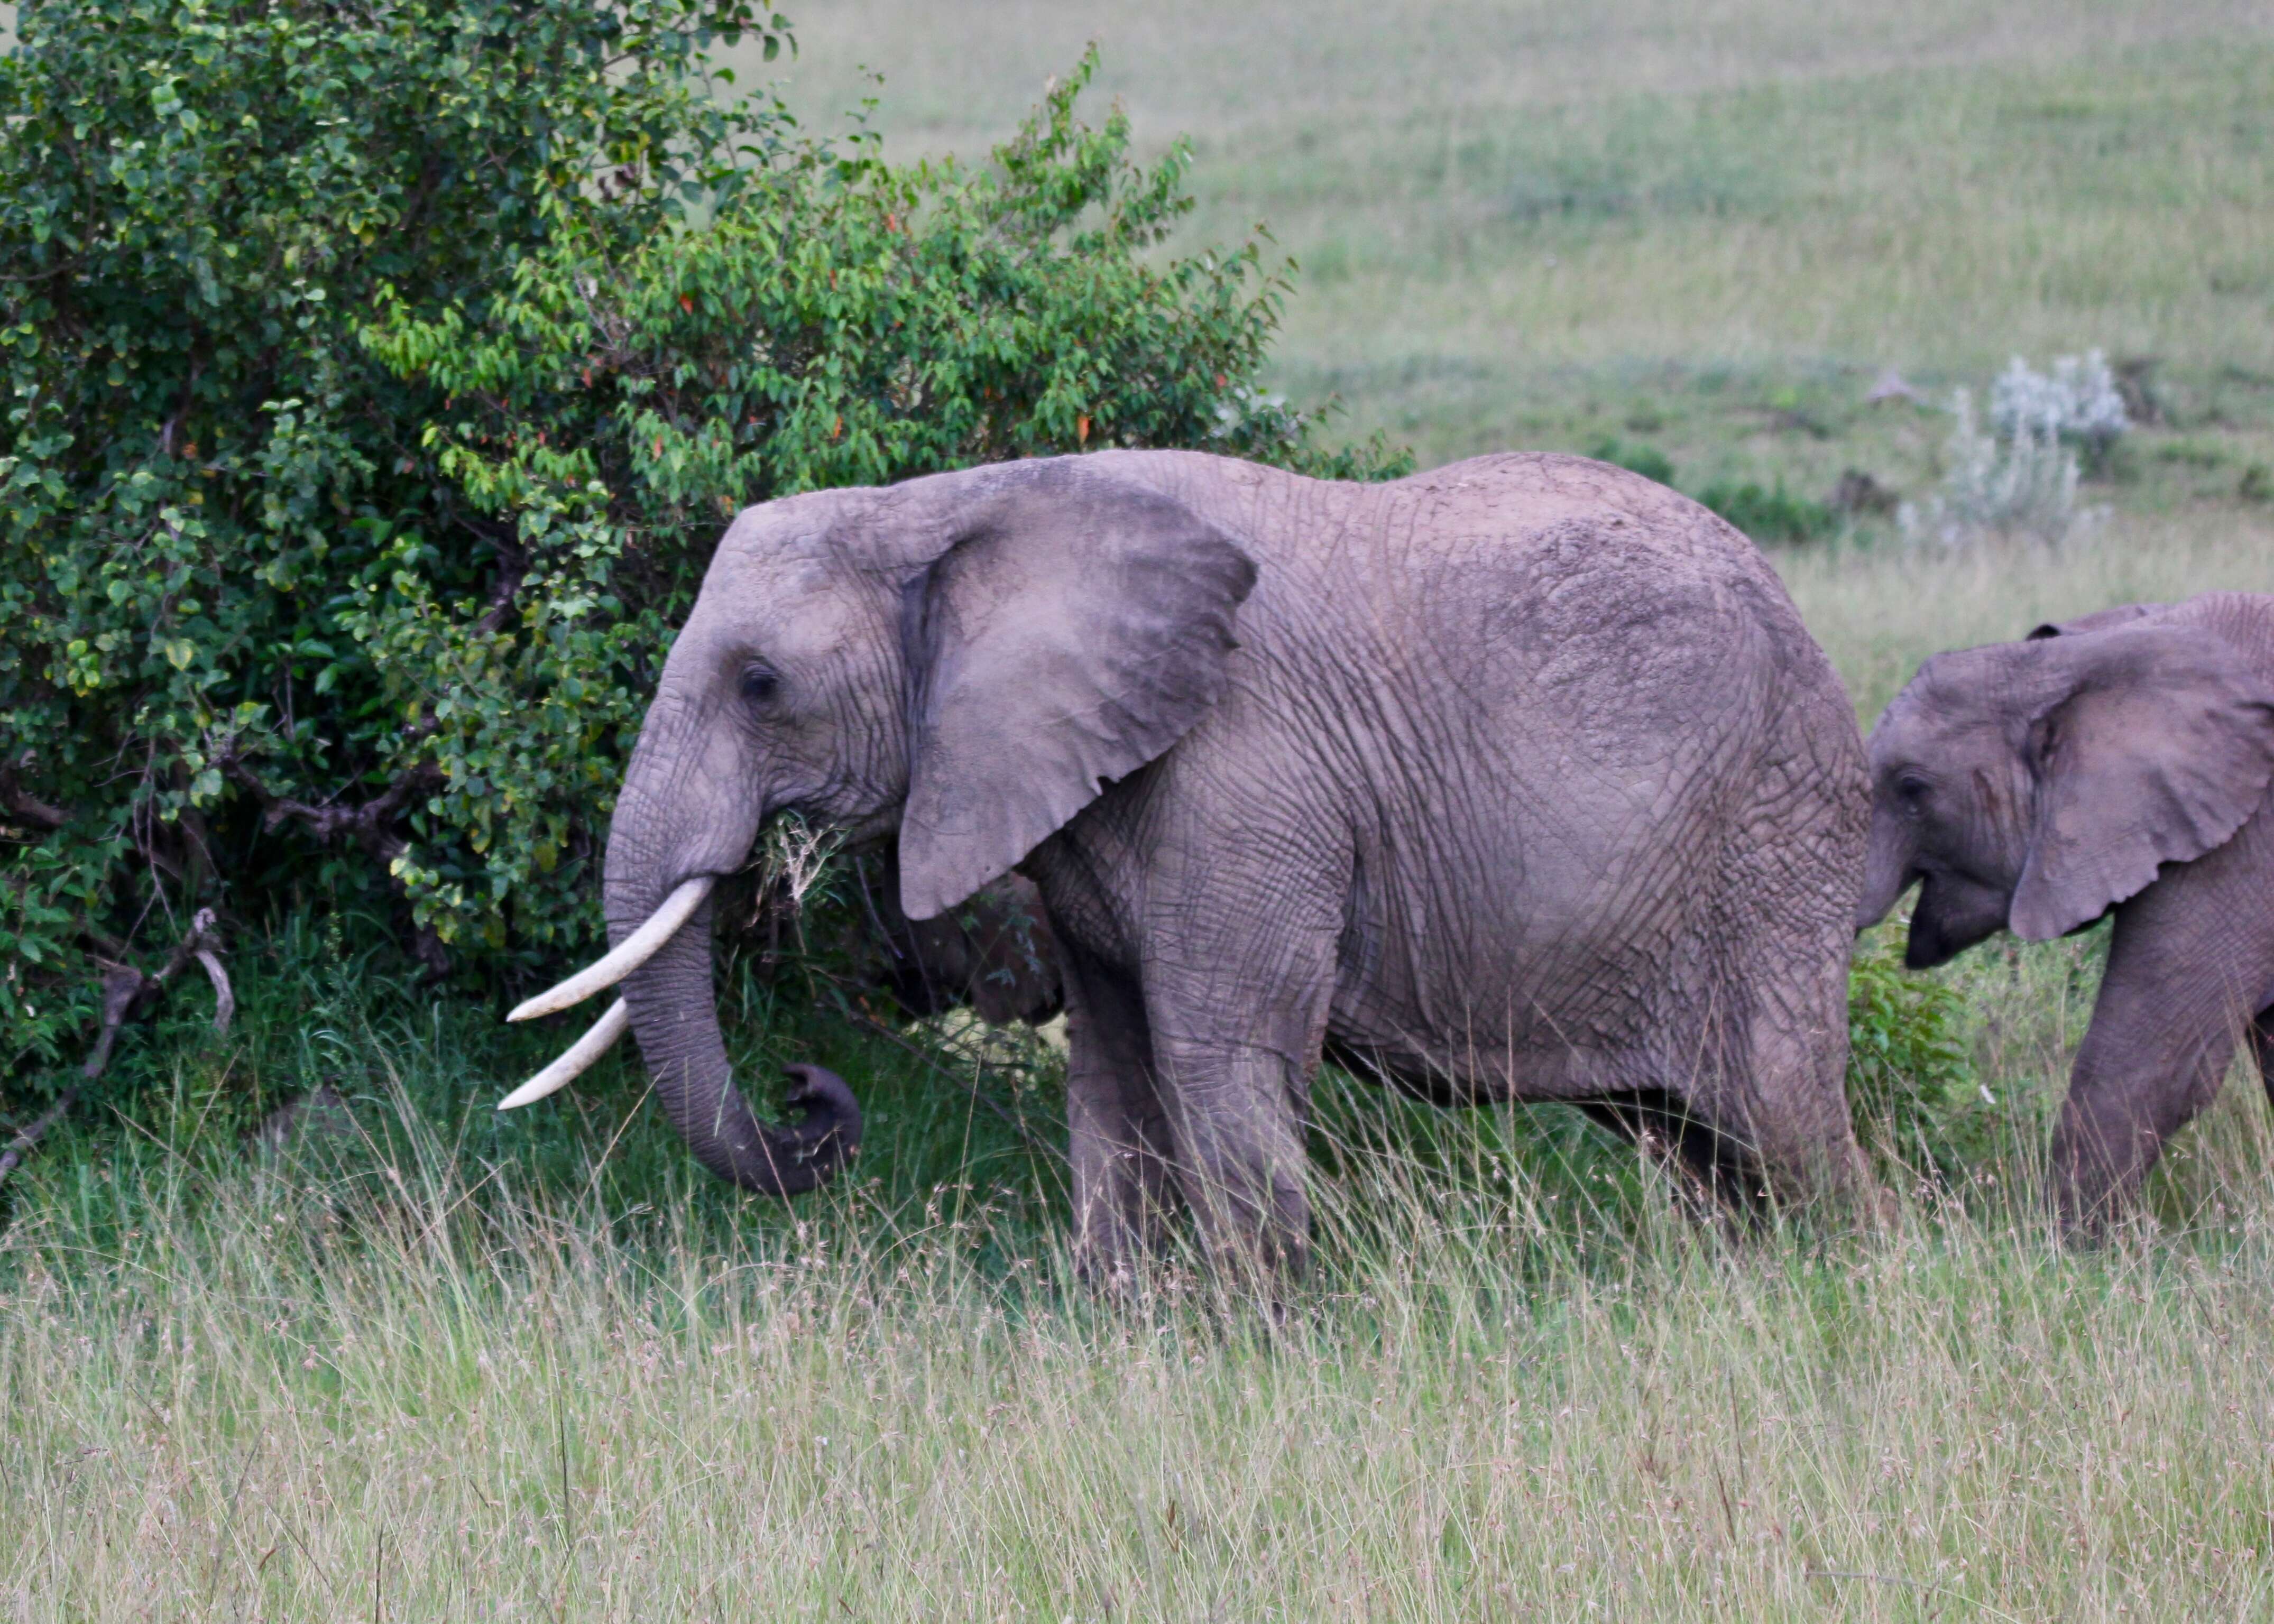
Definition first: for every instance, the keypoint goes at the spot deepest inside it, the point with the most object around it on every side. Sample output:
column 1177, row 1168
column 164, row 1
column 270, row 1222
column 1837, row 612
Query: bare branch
column 123, row 987
column 225, row 995
column 21, row 1144
column 368, row 825
column 20, row 803
column 127, row 992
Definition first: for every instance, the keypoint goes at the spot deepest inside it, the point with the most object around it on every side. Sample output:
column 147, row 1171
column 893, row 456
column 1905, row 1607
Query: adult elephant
column 2120, row 763
column 1519, row 779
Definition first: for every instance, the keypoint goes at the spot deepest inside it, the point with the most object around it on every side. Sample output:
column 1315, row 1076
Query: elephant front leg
column 1117, row 1134
column 1235, row 1120
column 2162, row 1031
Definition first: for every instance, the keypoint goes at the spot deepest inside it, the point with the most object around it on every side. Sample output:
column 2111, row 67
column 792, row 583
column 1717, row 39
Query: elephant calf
column 2120, row 762
column 1519, row 779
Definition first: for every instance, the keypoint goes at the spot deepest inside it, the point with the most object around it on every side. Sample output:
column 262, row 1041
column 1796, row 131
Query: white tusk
column 629, row 954
column 577, row 1061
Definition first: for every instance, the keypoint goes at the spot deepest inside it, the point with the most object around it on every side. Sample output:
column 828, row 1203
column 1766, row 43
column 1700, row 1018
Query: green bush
column 1769, row 513
column 380, row 378
column 1911, row 1080
column 1648, row 461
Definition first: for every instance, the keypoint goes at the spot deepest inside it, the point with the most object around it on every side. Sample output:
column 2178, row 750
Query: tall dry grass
column 395, row 1393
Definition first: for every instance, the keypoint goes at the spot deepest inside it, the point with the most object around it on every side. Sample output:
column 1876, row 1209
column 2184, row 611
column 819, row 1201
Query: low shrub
column 2079, row 403
column 1769, row 513
column 1648, row 461
column 380, row 382
column 2025, row 486
column 1911, row 1080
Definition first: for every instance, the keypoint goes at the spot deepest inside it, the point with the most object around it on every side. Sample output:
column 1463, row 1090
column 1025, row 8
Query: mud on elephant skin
column 1518, row 780
column 2121, row 763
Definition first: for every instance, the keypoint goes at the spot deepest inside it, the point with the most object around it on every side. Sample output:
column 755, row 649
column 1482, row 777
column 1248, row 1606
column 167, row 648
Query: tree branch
column 511, row 573
column 20, row 803
column 21, row 1144
column 369, row 825
column 127, row 992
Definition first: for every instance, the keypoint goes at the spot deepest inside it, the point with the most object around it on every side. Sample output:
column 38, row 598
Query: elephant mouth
column 1953, row 914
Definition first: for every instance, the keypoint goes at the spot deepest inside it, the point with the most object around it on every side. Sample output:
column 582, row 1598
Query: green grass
column 540, row 1366
column 1881, row 609
column 1535, row 225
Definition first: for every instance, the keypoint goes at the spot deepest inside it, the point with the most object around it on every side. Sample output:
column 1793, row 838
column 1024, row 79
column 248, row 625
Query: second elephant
column 2117, row 763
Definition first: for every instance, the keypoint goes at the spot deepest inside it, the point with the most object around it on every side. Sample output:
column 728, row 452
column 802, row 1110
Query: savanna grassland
column 439, row 1364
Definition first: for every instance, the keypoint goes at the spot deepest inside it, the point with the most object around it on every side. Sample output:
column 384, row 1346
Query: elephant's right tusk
column 629, row 955
column 578, row 1060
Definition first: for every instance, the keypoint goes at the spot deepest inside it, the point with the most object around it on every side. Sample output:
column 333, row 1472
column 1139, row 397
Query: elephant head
column 2035, row 784
column 964, row 659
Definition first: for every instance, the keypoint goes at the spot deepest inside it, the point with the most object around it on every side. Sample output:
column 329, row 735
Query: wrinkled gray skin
column 1519, row 779
column 2118, row 762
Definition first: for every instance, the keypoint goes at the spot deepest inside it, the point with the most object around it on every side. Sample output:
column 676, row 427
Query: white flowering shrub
column 2077, row 404
column 2022, row 484
column 2018, row 478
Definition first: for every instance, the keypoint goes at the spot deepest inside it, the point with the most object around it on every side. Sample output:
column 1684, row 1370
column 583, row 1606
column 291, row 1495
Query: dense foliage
column 378, row 378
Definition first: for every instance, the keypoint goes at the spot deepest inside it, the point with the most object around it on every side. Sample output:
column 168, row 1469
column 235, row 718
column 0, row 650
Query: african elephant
column 1519, row 779
column 2117, row 762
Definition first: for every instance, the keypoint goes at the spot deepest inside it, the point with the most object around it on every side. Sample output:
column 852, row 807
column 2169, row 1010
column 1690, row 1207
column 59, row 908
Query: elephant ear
column 2099, row 620
column 2156, row 746
column 1075, row 627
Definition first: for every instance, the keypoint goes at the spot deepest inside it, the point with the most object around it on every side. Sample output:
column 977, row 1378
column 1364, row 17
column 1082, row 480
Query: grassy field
column 1536, row 224
column 452, row 1365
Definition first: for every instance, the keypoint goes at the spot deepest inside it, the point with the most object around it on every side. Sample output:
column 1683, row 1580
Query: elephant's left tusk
column 577, row 1061
column 629, row 955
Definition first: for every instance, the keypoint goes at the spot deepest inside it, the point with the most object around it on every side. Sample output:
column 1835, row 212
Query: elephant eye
column 1912, row 793
column 760, row 683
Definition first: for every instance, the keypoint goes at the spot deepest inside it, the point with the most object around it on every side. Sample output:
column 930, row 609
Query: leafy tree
column 380, row 377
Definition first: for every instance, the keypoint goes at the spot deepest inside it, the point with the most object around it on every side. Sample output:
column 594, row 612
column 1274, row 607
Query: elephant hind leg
column 2262, row 1048
column 1714, row 1171
column 1767, row 1062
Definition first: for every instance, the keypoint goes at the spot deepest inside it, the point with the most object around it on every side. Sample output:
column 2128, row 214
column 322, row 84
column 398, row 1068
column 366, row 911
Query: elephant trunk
column 1887, row 871
column 676, row 1022
column 686, row 812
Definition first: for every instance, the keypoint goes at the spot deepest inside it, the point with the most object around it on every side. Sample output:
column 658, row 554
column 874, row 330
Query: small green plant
column 2256, row 484
column 1769, row 513
column 1648, row 461
column 1911, row 1081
